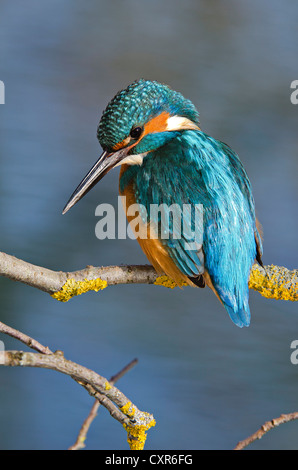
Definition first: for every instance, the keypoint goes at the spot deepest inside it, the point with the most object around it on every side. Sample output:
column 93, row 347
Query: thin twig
column 284, row 418
column 80, row 441
column 30, row 342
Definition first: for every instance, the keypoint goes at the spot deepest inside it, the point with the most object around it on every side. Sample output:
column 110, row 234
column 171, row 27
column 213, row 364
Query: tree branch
column 80, row 373
column 80, row 441
column 30, row 342
column 135, row 422
column 274, row 282
column 284, row 418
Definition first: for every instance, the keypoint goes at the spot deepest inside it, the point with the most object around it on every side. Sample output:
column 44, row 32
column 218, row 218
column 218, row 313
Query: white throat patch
column 133, row 159
column 177, row 123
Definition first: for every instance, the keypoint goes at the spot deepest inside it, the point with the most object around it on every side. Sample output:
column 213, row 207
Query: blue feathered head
column 136, row 106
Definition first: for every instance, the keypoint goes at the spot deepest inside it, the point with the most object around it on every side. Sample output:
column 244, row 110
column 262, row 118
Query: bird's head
column 140, row 119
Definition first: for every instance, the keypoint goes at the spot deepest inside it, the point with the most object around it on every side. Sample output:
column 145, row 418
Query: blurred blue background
column 208, row 383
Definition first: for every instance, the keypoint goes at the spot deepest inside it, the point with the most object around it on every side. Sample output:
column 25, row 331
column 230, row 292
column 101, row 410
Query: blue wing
column 206, row 174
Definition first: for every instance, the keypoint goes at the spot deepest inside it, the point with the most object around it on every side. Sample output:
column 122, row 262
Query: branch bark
column 115, row 400
column 284, row 418
column 135, row 422
column 274, row 282
column 80, row 441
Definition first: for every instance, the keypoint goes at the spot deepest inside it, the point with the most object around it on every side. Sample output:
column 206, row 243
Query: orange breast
column 151, row 246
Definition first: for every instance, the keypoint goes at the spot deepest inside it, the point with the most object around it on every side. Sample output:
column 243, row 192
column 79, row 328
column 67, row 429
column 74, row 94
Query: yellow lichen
column 167, row 282
column 136, row 435
column 136, row 432
column 73, row 287
column 128, row 409
column 108, row 386
column 279, row 284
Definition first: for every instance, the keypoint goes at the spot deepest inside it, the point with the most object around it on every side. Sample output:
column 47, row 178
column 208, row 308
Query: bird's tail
column 240, row 316
column 234, row 301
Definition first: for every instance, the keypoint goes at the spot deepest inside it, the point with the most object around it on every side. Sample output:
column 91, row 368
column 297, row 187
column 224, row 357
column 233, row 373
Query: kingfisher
column 153, row 133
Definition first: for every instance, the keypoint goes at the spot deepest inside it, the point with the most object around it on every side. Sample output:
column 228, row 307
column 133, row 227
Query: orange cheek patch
column 157, row 124
column 121, row 144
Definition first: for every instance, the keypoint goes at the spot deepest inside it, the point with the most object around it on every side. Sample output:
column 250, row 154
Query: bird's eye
column 136, row 132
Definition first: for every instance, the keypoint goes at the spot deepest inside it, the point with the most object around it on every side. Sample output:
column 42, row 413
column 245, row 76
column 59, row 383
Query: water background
column 208, row 383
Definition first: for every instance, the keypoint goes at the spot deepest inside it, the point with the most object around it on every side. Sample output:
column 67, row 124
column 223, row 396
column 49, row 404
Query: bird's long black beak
column 103, row 165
